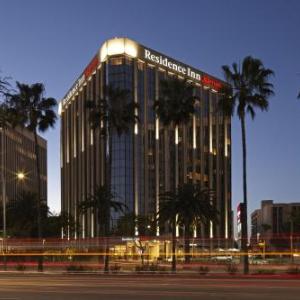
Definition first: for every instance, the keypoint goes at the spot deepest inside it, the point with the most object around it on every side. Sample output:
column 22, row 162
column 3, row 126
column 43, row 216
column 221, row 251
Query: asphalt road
column 75, row 287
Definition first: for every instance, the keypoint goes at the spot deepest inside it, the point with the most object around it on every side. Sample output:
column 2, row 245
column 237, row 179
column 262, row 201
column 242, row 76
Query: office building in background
column 272, row 224
column 18, row 160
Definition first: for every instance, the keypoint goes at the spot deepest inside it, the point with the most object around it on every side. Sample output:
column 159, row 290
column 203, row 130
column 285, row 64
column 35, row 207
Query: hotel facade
column 143, row 160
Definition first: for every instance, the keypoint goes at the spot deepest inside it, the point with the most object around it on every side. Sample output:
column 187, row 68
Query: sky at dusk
column 53, row 41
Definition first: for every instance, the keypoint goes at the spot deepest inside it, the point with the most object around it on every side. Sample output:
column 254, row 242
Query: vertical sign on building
column 239, row 223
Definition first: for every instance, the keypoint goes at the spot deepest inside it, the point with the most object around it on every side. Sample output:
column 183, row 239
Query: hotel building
column 143, row 163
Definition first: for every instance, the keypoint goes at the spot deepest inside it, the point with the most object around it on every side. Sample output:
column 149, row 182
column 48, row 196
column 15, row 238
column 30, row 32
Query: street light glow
column 20, row 176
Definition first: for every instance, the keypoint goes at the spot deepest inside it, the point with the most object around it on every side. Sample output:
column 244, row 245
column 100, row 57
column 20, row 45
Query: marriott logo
column 166, row 62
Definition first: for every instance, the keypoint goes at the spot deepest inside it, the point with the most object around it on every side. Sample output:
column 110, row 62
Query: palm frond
column 176, row 103
column 31, row 109
column 250, row 86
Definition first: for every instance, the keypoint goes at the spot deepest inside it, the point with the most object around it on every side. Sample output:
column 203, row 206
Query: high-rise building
column 18, row 160
column 143, row 159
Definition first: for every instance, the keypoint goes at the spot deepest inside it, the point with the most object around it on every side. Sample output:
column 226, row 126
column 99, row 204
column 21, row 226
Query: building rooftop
column 123, row 45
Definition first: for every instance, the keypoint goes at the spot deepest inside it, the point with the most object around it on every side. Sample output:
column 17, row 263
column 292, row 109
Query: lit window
column 116, row 61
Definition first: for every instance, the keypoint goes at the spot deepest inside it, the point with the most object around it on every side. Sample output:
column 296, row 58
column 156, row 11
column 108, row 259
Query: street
column 78, row 287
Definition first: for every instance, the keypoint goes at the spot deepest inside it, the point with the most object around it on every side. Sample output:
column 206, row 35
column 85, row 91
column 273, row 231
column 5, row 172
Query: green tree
column 4, row 86
column 56, row 222
column 266, row 227
column 174, row 107
column 21, row 215
column 101, row 203
column 195, row 206
column 248, row 89
column 188, row 206
column 126, row 225
column 36, row 113
column 145, row 225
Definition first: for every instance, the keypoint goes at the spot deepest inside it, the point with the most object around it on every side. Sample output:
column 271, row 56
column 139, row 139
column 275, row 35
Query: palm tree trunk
column 244, row 243
column 187, row 243
column 39, row 217
column 175, row 226
column 106, row 258
column 176, row 137
column 108, row 186
column 174, row 246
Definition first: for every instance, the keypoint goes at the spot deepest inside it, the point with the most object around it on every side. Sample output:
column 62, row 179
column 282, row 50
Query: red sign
column 91, row 67
column 212, row 83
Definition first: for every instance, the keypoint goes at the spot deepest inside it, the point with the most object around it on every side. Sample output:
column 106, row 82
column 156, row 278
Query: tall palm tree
column 36, row 113
column 188, row 206
column 116, row 113
column 174, row 108
column 249, row 89
column 194, row 206
column 102, row 201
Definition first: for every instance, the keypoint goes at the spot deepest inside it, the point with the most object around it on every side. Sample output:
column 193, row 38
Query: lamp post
column 3, row 182
column 19, row 176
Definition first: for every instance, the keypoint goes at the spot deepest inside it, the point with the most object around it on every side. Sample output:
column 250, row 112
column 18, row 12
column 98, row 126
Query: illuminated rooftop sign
column 131, row 48
column 211, row 82
column 171, row 65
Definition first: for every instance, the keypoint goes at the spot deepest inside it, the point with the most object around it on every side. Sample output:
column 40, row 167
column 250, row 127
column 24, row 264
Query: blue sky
column 52, row 42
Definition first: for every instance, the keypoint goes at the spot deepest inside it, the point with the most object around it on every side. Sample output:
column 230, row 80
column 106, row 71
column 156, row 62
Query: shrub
column 75, row 268
column 265, row 271
column 20, row 267
column 157, row 268
column 293, row 270
column 232, row 269
column 203, row 270
column 150, row 268
column 115, row 268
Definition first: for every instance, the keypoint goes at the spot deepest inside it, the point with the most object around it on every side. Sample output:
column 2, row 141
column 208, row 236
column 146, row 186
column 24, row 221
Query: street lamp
column 20, row 176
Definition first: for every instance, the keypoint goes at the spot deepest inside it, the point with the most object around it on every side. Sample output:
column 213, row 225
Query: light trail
column 139, row 255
